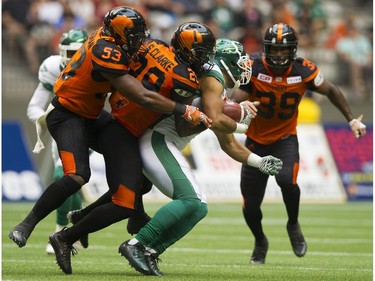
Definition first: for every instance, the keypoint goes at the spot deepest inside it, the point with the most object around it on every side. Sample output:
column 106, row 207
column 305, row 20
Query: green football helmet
column 70, row 42
column 231, row 57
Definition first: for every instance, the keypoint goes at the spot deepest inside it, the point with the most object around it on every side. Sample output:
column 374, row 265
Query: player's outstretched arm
column 230, row 145
column 337, row 98
column 131, row 88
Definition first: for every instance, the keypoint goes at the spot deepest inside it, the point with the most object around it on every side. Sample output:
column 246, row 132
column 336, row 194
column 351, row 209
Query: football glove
column 194, row 116
column 358, row 128
column 270, row 165
column 244, row 124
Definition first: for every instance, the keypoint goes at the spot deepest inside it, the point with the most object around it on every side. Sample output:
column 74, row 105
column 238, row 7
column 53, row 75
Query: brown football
column 234, row 110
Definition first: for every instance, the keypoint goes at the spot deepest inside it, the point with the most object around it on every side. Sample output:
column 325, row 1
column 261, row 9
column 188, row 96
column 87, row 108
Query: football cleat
column 136, row 222
column 152, row 260
column 297, row 240
column 19, row 234
column 135, row 255
column 74, row 217
column 49, row 249
column 63, row 251
column 260, row 251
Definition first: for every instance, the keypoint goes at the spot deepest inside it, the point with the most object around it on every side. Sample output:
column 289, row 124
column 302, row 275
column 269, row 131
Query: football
column 231, row 109
column 234, row 110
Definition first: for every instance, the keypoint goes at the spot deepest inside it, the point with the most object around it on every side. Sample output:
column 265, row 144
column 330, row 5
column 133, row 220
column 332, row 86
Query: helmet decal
column 231, row 57
column 194, row 44
column 70, row 42
column 280, row 46
column 128, row 27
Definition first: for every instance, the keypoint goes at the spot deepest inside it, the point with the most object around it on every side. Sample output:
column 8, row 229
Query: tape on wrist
column 179, row 109
column 254, row 160
column 241, row 128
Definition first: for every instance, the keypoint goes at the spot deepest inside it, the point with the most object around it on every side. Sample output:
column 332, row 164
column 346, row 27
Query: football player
column 163, row 162
column 77, row 121
column 49, row 71
column 279, row 80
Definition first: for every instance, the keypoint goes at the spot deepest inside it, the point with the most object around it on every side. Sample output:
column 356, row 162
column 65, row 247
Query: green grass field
column 339, row 237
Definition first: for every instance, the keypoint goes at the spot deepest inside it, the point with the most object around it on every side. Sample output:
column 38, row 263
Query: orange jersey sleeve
column 279, row 98
column 80, row 87
column 159, row 71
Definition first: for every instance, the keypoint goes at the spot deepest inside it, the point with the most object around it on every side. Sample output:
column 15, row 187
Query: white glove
column 248, row 116
column 241, row 128
column 268, row 165
column 245, row 122
column 358, row 128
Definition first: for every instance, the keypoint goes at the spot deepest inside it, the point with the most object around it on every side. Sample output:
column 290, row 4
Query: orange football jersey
column 159, row 71
column 80, row 87
column 279, row 97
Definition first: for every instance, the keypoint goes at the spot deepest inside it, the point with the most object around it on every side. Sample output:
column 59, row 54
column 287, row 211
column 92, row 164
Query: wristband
column 254, row 160
column 241, row 128
column 352, row 122
column 179, row 109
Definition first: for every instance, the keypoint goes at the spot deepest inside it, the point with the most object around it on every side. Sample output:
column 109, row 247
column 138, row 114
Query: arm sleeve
column 38, row 102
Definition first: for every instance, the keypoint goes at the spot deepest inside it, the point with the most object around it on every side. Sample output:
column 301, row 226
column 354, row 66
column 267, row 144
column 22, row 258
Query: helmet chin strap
column 236, row 85
column 236, row 82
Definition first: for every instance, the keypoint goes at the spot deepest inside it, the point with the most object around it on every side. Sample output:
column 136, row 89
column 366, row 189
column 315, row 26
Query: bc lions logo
column 121, row 103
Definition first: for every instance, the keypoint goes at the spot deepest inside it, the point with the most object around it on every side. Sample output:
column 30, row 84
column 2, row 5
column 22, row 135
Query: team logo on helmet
column 231, row 56
column 128, row 27
column 194, row 44
column 280, row 37
column 70, row 42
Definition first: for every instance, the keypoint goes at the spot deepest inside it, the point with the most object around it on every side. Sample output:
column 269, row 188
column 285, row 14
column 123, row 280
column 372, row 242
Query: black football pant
column 254, row 182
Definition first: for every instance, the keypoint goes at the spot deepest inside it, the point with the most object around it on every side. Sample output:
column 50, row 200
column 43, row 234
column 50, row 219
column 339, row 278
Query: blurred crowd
column 31, row 29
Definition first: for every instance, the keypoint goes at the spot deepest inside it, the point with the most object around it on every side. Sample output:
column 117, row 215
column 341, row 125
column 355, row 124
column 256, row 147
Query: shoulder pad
column 257, row 63
column 49, row 70
column 217, row 73
column 304, row 68
column 106, row 53
column 160, row 42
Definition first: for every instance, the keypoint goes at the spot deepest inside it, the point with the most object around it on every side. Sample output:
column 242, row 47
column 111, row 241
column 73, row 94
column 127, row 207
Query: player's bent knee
column 202, row 212
column 193, row 203
column 77, row 178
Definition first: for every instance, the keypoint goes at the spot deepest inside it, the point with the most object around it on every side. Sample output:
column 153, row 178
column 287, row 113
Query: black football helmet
column 128, row 27
column 194, row 44
column 280, row 37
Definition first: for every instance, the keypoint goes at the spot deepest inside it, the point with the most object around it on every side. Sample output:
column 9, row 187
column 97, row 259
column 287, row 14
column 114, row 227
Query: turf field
column 340, row 247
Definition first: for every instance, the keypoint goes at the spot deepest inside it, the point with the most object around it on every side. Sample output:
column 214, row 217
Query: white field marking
column 309, row 221
column 230, row 266
column 282, row 238
column 205, row 250
column 314, row 240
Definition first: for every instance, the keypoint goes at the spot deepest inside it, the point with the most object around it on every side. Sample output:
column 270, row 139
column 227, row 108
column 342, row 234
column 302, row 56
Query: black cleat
column 152, row 260
column 297, row 240
column 63, row 250
column 135, row 255
column 19, row 234
column 136, row 222
column 74, row 217
column 260, row 251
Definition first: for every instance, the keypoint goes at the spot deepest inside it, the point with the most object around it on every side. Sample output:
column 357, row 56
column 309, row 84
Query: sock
column 59, row 227
column 133, row 241
column 97, row 219
column 54, row 196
